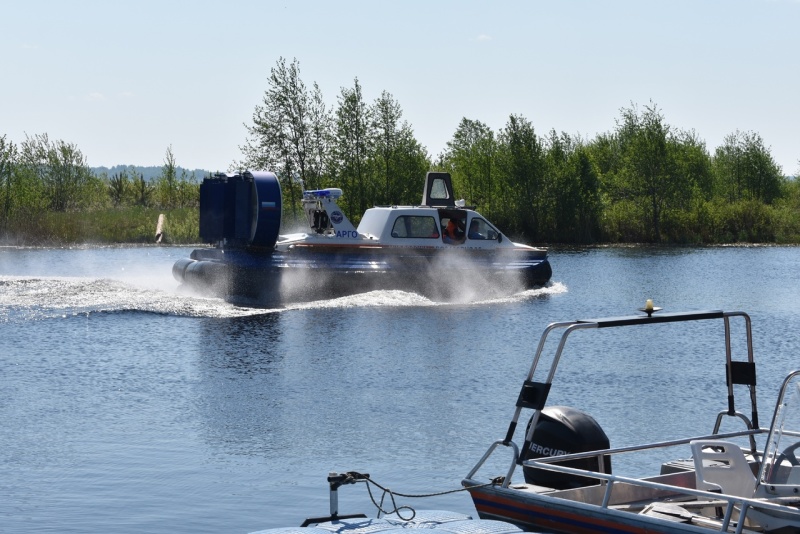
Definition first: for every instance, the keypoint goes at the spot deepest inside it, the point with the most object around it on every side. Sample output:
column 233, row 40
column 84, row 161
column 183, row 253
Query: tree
column 694, row 162
column 288, row 131
column 411, row 162
column 60, row 168
column 167, row 183
column 521, row 167
column 745, row 170
column 118, row 186
column 319, row 140
column 649, row 173
column 352, row 145
column 188, row 190
column 400, row 162
column 143, row 190
column 589, row 208
column 8, row 156
column 575, row 190
column 470, row 156
column 386, row 115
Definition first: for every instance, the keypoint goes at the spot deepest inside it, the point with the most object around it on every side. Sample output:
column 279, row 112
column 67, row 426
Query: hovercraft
column 440, row 249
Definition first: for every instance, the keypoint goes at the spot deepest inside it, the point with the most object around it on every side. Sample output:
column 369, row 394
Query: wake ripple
column 24, row 299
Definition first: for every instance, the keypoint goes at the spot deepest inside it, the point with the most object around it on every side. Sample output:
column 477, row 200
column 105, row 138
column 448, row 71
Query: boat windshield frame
column 775, row 476
column 533, row 394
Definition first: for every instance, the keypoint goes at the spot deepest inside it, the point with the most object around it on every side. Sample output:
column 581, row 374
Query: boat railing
column 598, row 453
column 648, row 446
column 489, row 452
column 731, row 502
column 741, row 416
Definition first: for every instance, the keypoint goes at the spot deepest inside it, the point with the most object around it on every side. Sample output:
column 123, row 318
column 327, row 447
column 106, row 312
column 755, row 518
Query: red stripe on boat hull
column 538, row 516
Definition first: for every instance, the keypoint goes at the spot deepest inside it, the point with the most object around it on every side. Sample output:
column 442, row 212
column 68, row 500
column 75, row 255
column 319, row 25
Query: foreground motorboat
column 441, row 248
column 741, row 481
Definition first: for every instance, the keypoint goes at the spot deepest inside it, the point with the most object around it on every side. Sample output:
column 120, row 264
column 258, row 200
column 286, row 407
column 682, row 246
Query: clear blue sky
column 124, row 80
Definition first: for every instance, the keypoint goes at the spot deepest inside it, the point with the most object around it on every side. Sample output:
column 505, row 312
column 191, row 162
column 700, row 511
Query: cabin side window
column 480, row 229
column 415, row 226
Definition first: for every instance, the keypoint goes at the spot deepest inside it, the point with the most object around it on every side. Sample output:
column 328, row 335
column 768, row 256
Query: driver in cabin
column 474, row 230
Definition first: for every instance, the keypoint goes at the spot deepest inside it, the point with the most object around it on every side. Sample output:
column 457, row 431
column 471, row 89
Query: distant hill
column 149, row 173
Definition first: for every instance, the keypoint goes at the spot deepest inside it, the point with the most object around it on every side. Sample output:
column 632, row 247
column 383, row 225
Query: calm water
column 128, row 407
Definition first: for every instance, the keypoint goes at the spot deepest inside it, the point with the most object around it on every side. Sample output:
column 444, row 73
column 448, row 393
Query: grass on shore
column 111, row 226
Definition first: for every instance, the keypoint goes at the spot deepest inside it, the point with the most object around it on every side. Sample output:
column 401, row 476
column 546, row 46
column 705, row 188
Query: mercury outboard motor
column 563, row 430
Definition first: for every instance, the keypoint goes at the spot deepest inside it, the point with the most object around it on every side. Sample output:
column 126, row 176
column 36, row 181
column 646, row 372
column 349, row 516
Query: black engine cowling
column 563, row 430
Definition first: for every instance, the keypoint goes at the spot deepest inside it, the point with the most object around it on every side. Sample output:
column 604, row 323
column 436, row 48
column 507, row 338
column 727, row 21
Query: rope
column 353, row 477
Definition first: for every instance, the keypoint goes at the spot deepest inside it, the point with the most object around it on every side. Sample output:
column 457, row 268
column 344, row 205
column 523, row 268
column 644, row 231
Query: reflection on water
column 237, row 391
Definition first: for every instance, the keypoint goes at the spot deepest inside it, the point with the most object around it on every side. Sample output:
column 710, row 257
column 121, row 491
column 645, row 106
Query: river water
column 127, row 406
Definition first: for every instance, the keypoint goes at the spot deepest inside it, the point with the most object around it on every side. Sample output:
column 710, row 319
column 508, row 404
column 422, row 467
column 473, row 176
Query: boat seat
column 721, row 465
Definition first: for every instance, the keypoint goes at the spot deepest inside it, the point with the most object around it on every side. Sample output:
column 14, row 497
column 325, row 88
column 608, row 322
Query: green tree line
column 49, row 195
column 643, row 181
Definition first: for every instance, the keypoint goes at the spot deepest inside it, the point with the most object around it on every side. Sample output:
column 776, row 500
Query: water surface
column 129, row 406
